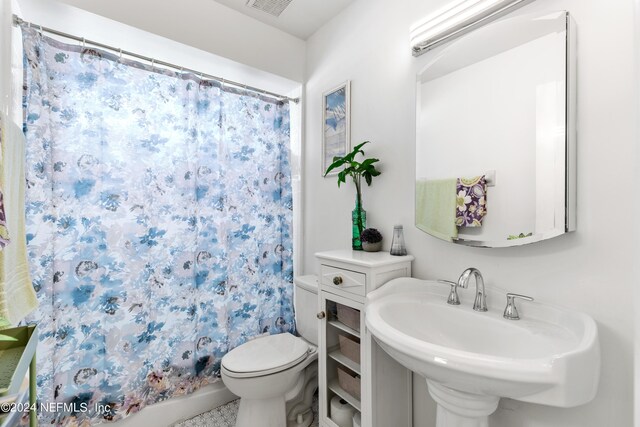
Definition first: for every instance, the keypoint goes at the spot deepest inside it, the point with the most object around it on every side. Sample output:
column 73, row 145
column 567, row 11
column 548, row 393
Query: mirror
column 495, row 134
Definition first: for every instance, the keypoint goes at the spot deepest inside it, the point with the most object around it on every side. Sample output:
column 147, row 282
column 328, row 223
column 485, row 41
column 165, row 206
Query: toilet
column 275, row 376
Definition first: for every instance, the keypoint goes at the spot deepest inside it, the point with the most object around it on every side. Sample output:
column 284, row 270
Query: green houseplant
column 356, row 171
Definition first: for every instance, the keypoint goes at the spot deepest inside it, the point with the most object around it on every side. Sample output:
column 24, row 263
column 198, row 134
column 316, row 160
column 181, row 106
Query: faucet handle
column 453, row 295
column 510, row 311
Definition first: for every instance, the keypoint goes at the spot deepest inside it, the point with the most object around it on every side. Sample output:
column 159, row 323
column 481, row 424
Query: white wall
column 589, row 270
column 636, row 266
column 81, row 23
column 5, row 56
column 210, row 26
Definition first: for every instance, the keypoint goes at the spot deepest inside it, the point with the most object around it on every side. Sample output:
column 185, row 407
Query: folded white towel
column 17, row 296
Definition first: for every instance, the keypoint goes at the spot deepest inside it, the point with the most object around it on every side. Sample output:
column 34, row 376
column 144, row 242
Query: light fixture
column 457, row 18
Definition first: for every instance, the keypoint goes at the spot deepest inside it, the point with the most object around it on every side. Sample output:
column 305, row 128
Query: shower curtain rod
column 20, row 22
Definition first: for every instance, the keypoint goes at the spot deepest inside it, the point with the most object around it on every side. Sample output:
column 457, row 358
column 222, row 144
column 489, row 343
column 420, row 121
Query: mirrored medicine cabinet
column 497, row 108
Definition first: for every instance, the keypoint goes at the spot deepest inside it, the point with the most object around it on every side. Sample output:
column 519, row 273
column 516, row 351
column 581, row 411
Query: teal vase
column 358, row 224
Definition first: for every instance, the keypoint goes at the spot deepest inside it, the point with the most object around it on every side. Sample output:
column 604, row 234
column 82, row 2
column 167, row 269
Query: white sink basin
column 550, row 356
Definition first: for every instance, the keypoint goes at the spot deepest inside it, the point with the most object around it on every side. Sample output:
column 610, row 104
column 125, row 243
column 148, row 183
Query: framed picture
column 336, row 127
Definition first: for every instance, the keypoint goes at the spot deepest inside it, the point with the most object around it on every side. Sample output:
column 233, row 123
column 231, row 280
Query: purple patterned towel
column 4, row 232
column 471, row 201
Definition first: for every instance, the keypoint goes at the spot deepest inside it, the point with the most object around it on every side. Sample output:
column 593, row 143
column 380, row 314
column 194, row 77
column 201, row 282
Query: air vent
column 272, row 7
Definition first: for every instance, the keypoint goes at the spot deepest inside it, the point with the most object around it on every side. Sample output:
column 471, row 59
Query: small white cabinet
column 351, row 364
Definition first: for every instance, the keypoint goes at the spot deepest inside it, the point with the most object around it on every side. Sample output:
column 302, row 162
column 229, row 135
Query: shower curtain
column 159, row 211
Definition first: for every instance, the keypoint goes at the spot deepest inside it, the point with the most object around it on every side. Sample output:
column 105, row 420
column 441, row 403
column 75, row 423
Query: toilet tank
column 305, row 300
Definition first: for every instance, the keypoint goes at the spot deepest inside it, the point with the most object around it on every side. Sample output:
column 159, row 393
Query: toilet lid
column 266, row 355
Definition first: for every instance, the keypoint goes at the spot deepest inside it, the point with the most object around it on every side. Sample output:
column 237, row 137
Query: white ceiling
column 300, row 19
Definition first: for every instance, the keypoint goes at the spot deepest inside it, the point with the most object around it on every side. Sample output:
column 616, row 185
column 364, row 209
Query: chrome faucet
column 511, row 311
column 453, row 295
column 480, row 303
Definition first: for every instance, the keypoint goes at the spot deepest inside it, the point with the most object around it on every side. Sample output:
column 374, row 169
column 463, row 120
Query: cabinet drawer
column 346, row 280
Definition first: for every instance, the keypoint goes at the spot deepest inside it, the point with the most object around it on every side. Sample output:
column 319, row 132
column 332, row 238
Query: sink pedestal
column 460, row 409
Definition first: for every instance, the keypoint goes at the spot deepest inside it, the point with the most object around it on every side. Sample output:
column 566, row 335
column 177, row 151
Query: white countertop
column 362, row 258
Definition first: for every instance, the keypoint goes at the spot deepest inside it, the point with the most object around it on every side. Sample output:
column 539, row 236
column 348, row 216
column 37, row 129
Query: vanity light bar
column 455, row 19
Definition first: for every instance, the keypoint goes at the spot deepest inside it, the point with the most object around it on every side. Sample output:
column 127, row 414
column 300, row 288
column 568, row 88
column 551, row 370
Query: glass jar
column 397, row 244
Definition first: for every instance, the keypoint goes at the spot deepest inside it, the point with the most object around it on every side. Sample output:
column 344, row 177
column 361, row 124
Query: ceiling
column 300, row 19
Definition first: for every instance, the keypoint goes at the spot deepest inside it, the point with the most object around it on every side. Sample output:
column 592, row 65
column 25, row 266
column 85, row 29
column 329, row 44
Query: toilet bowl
column 275, row 375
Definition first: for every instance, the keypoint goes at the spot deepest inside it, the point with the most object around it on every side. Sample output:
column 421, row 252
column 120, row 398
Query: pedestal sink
column 551, row 356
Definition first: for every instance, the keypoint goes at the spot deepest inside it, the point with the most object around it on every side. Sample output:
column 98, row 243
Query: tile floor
column 225, row 416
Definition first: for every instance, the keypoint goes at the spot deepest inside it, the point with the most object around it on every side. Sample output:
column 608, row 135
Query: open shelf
column 336, row 355
column 329, row 423
column 351, row 400
column 339, row 325
column 381, row 387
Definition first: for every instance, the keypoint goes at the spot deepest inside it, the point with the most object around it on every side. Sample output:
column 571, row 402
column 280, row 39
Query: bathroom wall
column 209, row 26
column 183, row 51
column 636, row 247
column 589, row 270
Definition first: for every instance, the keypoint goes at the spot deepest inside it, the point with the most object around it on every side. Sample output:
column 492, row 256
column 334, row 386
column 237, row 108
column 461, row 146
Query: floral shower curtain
column 159, row 211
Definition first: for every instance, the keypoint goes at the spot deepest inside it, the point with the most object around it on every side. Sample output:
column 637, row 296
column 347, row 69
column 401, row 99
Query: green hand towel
column 436, row 208
column 17, row 297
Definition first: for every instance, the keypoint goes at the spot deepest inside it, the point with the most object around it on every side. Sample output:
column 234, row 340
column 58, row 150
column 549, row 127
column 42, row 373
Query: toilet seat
column 276, row 354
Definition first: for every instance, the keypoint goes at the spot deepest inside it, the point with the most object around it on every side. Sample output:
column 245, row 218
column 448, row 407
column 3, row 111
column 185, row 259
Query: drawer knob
column 337, row 280
column 321, row 315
